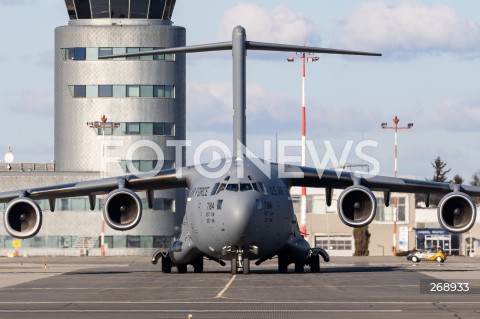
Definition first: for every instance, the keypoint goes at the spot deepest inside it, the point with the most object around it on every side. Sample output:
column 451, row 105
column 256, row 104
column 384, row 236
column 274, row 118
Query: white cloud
column 210, row 105
column 39, row 102
column 406, row 29
column 456, row 114
column 278, row 25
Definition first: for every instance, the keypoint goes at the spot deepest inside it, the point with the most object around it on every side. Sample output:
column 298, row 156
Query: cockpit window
column 255, row 187
column 214, row 189
column 232, row 187
column 262, row 188
column 227, row 178
column 221, row 188
column 245, row 187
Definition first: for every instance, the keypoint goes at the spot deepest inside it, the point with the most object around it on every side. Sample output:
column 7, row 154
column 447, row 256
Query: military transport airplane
column 245, row 213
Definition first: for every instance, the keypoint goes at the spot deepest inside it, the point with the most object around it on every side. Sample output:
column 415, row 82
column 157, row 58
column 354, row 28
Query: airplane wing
column 122, row 207
column 357, row 203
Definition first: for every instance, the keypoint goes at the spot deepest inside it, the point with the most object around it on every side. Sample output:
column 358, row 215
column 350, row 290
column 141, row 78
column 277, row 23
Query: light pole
column 303, row 204
column 395, row 199
column 103, row 126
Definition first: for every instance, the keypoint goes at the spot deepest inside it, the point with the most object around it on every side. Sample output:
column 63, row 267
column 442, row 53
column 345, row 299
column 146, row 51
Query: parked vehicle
column 437, row 255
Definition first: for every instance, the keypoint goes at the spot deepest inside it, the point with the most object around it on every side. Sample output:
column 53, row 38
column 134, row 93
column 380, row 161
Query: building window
column 133, row 90
column 122, row 91
column 385, row 214
column 105, row 51
column 133, row 50
column 133, row 241
column 335, row 242
column 146, row 90
column 135, row 128
column 91, row 91
column 105, row 90
column 145, row 166
column 92, row 54
column 119, row 91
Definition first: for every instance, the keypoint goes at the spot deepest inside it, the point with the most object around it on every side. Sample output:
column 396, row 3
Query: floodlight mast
column 239, row 46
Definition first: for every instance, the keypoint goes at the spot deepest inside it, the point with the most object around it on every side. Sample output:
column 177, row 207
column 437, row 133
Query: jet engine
column 357, row 206
column 457, row 212
column 122, row 209
column 22, row 218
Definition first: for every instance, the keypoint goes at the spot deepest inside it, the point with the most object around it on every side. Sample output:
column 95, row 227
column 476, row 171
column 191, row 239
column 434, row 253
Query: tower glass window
column 105, row 51
column 133, row 90
column 133, row 50
column 119, row 9
column 139, row 9
column 105, row 90
column 71, row 9
column 100, row 8
column 91, row 54
column 83, row 9
column 119, row 91
column 157, row 7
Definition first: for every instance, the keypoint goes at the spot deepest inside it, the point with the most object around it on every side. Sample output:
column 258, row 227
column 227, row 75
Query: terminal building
column 417, row 227
column 143, row 100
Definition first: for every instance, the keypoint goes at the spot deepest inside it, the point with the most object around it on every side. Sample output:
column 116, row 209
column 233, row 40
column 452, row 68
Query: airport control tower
column 143, row 98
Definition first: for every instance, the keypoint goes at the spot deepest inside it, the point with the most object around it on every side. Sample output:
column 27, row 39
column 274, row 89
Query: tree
column 475, row 179
column 457, row 179
column 476, row 182
column 440, row 174
column 362, row 240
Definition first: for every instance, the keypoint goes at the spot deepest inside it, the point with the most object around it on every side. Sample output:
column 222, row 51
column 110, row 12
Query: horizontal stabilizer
column 300, row 48
column 220, row 46
column 249, row 45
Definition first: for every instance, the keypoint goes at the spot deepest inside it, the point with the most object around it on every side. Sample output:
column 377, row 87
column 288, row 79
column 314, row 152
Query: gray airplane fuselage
column 242, row 207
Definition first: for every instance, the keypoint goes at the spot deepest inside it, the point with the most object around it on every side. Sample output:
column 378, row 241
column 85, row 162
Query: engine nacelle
column 122, row 209
column 22, row 218
column 357, row 206
column 457, row 212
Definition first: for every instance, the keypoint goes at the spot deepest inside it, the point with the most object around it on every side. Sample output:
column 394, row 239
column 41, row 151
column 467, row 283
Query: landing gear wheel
column 282, row 264
column 315, row 263
column 234, row 266
column 246, row 266
column 299, row 268
column 439, row 259
column 198, row 265
column 182, row 269
column 166, row 265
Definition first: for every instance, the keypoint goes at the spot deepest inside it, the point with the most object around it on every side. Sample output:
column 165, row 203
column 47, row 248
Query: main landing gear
column 313, row 260
column 167, row 263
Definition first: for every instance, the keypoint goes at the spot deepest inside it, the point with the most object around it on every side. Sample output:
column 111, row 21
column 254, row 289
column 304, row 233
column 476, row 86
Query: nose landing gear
column 240, row 264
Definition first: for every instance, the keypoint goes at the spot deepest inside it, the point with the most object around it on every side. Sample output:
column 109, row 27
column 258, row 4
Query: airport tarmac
column 131, row 287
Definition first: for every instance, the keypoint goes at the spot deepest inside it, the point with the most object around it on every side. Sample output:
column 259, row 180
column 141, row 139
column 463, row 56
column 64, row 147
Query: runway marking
column 220, row 294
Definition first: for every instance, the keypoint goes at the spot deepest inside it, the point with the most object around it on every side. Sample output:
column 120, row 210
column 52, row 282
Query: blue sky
column 429, row 75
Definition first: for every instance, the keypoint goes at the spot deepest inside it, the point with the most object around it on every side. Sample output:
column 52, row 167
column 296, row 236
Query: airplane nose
column 240, row 220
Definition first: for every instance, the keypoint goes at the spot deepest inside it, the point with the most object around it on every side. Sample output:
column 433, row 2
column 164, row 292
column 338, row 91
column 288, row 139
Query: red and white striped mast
column 303, row 204
column 395, row 199
column 103, row 170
